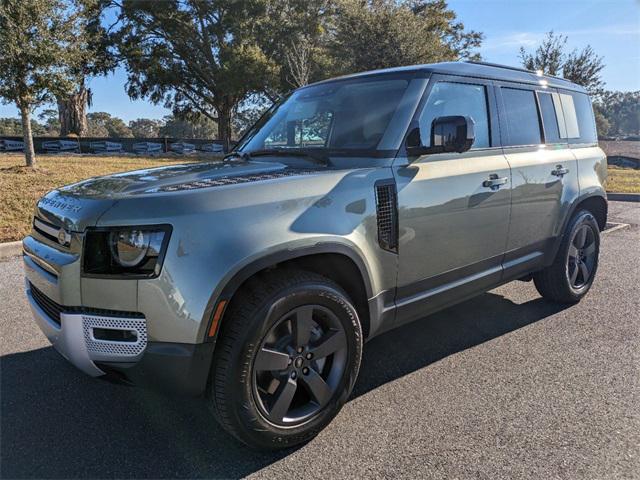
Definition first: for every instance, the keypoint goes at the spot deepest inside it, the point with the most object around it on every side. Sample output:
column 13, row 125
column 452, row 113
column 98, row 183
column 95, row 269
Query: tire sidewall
column 243, row 402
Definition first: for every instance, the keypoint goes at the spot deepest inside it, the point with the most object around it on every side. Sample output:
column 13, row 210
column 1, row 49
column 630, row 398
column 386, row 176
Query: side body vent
column 387, row 215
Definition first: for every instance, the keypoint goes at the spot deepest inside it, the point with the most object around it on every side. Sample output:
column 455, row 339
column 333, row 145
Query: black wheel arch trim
column 261, row 263
column 572, row 210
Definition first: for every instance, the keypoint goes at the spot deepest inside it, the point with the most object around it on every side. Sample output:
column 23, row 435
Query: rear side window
column 570, row 116
column 586, row 121
column 549, row 118
column 523, row 123
column 446, row 99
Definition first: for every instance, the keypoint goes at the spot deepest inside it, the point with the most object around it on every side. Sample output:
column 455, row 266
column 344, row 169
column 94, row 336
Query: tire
column 572, row 272
column 269, row 318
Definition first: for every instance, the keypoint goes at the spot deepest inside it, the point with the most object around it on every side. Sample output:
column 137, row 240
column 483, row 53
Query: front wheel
column 571, row 275
column 286, row 360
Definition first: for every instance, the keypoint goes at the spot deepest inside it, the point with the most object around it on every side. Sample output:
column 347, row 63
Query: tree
column 581, row 67
column 98, row 59
column 329, row 38
column 548, row 58
column 298, row 58
column 38, row 55
column 248, row 112
column 294, row 35
column 195, row 55
column 602, row 123
column 584, row 68
column 621, row 110
column 372, row 34
column 107, row 126
column 194, row 126
column 50, row 122
column 145, row 128
column 12, row 127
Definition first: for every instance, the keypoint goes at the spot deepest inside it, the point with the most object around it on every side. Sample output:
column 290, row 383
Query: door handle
column 560, row 171
column 494, row 181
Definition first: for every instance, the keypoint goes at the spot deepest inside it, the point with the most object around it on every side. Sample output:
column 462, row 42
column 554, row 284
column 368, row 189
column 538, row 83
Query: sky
column 611, row 27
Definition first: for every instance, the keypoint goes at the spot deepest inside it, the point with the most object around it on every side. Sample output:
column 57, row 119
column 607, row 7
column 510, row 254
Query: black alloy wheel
column 574, row 267
column 582, row 256
column 299, row 365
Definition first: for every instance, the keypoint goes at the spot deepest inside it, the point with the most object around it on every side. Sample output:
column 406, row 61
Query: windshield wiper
column 240, row 155
column 315, row 156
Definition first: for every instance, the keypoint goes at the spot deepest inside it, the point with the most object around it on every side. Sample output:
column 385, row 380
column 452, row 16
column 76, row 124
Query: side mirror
column 453, row 134
column 448, row 134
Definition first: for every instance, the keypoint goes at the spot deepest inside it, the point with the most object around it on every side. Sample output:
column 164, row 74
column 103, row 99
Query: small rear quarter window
column 586, row 120
column 570, row 116
column 578, row 115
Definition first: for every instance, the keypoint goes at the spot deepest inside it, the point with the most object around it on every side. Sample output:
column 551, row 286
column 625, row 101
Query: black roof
column 489, row 71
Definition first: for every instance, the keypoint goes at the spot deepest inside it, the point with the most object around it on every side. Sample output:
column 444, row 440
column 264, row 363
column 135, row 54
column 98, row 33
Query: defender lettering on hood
column 59, row 205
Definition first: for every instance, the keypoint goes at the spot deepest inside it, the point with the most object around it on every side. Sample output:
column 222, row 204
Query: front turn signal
column 216, row 318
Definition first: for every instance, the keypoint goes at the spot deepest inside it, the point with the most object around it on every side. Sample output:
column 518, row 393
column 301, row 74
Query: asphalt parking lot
column 502, row 386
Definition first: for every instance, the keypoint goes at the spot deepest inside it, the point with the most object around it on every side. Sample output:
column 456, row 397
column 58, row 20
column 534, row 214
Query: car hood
column 81, row 205
column 152, row 180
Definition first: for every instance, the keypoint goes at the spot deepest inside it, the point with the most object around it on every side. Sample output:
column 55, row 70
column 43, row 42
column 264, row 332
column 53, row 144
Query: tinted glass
column 341, row 115
column 570, row 117
column 586, row 121
column 307, row 132
column 448, row 99
column 549, row 118
column 522, row 117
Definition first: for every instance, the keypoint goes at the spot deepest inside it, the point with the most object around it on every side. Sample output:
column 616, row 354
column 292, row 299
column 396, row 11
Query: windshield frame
column 395, row 130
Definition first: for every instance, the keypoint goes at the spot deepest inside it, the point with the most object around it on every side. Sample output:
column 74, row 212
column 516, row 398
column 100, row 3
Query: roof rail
column 508, row 67
column 497, row 65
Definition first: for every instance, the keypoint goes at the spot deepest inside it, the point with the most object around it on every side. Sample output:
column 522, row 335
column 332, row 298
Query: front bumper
column 74, row 336
column 78, row 332
column 177, row 368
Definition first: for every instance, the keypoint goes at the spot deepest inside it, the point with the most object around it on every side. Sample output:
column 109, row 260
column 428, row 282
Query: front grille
column 97, row 323
column 387, row 215
column 51, row 308
column 46, row 229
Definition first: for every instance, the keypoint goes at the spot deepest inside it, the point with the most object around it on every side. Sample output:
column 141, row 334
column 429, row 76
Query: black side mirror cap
column 448, row 134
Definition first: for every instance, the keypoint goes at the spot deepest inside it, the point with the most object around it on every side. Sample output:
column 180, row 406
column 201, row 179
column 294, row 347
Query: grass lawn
column 20, row 187
column 625, row 180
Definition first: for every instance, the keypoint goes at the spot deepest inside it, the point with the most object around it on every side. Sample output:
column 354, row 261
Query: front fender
column 241, row 272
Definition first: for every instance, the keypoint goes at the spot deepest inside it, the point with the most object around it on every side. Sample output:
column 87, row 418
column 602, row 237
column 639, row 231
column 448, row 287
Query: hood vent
column 232, row 180
column 387, row 215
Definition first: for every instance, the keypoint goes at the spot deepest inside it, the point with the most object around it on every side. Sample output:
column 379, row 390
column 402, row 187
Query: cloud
column 510, row 41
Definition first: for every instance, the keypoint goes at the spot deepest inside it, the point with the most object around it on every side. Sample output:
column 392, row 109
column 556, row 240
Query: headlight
column 127, row 252
column 129, row 248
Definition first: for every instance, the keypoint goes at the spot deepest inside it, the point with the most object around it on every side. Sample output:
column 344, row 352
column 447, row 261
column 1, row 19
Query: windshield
column 350, row 115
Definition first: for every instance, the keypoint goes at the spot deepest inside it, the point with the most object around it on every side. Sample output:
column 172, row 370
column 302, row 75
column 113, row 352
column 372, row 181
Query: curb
column 623, row 197
column 10, row 249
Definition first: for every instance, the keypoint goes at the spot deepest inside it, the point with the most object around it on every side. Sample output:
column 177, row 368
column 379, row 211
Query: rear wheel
column 571, row 275
column 286, row 360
